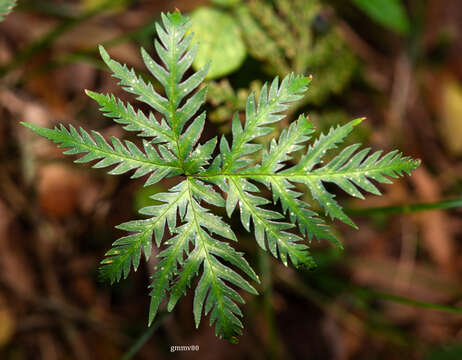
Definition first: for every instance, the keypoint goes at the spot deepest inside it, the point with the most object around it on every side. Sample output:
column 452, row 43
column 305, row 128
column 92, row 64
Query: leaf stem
column 407, row 209
column 143, row 339
column 267, row 284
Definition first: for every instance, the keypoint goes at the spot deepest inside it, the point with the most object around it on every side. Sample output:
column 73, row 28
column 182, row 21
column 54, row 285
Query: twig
column 273, row 343
column 145, row 336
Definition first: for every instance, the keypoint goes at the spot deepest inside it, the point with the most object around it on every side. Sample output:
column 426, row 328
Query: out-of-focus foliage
column 293, row 36
column 5, row 7
column 220, row 41
column 226, row 100
column 226, row 2
column 290, row 35
column 389, row 13
column 449, row 352
column 173, row 149
column 115, row 7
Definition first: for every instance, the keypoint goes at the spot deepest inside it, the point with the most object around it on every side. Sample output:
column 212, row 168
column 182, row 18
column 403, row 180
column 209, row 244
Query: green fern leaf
column 218, row 297
column 134, row 120
column 127, row 250
column 266, row 225
column 271, row 104
column 309, row 223
column 197, row 243
column 127, row 155
column 290, row 141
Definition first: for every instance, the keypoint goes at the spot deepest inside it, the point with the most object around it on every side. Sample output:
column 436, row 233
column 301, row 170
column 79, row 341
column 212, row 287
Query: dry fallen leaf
column 7, row 324
column 59, row 188
column 451, row 115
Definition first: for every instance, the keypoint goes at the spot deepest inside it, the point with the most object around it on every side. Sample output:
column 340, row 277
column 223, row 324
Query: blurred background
column 393, row 293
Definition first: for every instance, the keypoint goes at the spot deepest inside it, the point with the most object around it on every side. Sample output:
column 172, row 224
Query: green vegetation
column 171, row 148
column 6, row 6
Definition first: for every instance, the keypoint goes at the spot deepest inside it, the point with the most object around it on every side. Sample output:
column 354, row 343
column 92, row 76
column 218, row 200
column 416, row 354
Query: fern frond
column 323, row 144
column 290, row 141
column 354, row 175
column 197, row 245
column 309, row 222
column 169, row 265
column 173, row 51
column 132, row 119
column 135, row 84
column 177, row 58
column 212, row 293
column 127, row 156
column 346, row 170
column 127, row 250
column 271, row 104
column 281, row 243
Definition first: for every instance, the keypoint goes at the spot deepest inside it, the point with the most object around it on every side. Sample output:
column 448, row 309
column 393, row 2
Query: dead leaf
column 7, row 324
column 58, row 190
column 451, row 115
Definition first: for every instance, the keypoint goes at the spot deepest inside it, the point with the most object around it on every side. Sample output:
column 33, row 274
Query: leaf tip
column 150, row 319
column 104, row 54
column 90, row 93
column 358, row 121
column 176, row 17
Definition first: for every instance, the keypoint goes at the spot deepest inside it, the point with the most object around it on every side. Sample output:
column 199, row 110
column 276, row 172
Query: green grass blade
column 407, row 209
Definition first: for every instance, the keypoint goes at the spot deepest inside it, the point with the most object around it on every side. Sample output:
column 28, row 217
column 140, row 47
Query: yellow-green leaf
column 451, row 116
column 226, row 2
column 220, row 41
